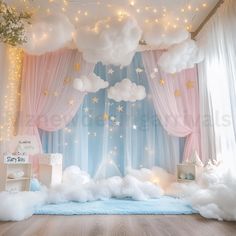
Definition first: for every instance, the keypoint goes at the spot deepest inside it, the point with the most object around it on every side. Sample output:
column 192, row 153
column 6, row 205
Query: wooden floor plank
column 118, row 225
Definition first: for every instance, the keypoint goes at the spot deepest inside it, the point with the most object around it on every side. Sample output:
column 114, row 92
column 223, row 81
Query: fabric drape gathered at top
column 49, row 101
column 217, row 86
column 176, row 101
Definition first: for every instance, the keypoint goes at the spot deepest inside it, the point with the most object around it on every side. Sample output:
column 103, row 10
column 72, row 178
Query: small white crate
column 185, row 171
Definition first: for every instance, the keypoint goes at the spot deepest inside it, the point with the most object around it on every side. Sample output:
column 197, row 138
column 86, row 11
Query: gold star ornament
column 190, row 84
column 177, row 93
column 77, row 67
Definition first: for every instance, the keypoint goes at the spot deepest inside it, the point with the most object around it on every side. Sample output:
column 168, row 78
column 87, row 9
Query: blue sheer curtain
column 106, row 138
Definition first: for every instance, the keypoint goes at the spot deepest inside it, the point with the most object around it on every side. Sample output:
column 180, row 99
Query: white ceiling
column 189, row 13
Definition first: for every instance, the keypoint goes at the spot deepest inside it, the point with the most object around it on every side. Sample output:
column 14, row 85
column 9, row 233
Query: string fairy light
column 11, row 100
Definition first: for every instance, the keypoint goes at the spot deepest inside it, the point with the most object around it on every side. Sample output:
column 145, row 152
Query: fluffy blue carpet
column 162, row 206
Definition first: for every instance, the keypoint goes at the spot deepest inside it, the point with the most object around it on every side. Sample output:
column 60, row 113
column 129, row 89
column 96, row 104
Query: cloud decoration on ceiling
column 126, row 91
column 91, row 83
column 48, row 33
column 156, row 35
column 112, row 41
column 180, row 57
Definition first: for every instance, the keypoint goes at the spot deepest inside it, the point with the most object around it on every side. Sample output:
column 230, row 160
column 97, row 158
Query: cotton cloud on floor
column 19, row 206
column 91, row 83
column 126, row 90
column 111, row 41
column 180, row 57
column 47, row 34
column 156, row 35
column 213, row 196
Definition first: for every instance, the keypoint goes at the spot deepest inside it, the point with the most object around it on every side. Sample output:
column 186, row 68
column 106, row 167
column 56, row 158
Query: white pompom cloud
column 47, row 34
column 180, row 57
column 113, row 41
column 91, row 83
column 156, row 35
column 126, row 91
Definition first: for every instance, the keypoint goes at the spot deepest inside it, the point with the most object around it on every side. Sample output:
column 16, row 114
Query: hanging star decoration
column 161, row 82
column 110, row 71
column 77, row 67
column 177, row 93
column 190, row 84
column 67, row 80
column 120, row 108
column 95, row 100
column 139, row 70
column 105, row 116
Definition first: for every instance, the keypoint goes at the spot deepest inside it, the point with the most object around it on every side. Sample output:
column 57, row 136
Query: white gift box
column 50, row 159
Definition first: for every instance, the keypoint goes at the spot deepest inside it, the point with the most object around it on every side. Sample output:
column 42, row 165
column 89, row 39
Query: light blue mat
column 162, row 206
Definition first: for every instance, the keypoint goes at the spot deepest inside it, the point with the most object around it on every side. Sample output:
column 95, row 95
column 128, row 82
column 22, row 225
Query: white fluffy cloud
column 213, row 196
column 110, row 41
column 126, row 91
column 180, row 56
column 91, row 83
column 48, row 33
column 156, row 35
column 19, row 206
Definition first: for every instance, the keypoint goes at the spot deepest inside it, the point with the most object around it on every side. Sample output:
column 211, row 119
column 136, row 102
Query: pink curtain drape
column 48, row 99
column 176, row 101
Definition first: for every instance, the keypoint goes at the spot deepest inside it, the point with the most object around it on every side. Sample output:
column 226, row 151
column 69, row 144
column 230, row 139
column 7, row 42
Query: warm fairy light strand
column 12, row 97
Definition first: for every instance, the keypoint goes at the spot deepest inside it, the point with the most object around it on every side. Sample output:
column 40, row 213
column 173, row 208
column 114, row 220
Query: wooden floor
column 135, row 225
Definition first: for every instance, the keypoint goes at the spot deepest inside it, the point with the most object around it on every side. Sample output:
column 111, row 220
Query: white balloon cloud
column 126, row 91
column 91, row 83
column 180, row 57
column 48, row 33
column 156, row 35
column 113, row 41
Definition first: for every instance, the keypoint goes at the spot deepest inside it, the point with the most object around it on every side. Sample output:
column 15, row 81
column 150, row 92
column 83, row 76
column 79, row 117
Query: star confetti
column 177, row 93
column 110, row 71
column 71, row 102
column 190, row 84
column 105, row 116
column 120, row 108
column 139, row 70
column 77, row 67
column 162, row 82
column 95, row 100
column 45, row 92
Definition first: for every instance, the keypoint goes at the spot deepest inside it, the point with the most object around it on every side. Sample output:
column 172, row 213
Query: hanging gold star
column 71, row 102
column 77, row 67
column 162, row 82
column 45, row 92
column 190, row 84
column 67, row 80
column 95, row 100
column 119, row 108
column 105, row 116
column 177, row 93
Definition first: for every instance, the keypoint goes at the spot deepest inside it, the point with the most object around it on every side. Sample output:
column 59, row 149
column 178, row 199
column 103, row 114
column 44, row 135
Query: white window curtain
column 217, row 85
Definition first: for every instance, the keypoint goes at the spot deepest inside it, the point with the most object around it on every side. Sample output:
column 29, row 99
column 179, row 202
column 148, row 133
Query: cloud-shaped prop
column 91, row 83
column 47, row 34
column 126, row 91
column 111, row 41
column 156, row 35
column 180, row 57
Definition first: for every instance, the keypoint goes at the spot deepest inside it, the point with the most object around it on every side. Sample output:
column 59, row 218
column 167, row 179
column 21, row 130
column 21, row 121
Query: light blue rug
column 162, row 206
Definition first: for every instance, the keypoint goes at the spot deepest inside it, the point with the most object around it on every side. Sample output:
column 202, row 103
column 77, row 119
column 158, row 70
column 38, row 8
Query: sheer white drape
column 217, row 85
